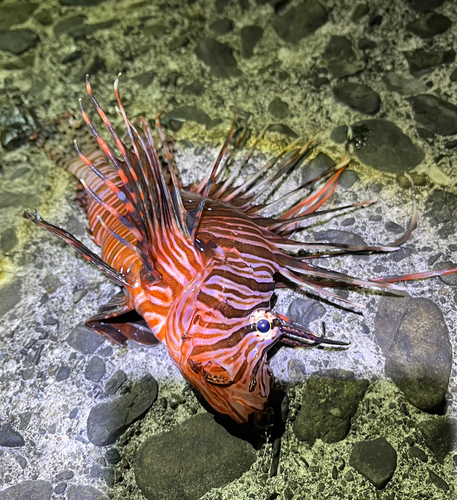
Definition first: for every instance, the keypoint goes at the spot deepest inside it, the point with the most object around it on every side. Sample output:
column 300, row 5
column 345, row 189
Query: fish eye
column 263, row 326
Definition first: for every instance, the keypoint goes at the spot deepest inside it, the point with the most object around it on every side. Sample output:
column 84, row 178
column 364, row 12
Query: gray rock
column 19, row 200
column 383, row 146
column 95, row 369
column 439, row 435
column 337, row 236
column 424, row 5
column 340, row 57
column 63, row 373
column 12, row 14
column 278, row 108
column 429, row 25
column 8, row 240
column 107, row 421
column 416, row 452
column 219, row 58
column 84, row 30
column 85, row 340
column 250, row 37
column 84, row 492
column 70, row 22
column 221, row 26
column 414, row 337
column 358, row 96
column 437, row 480
column 360, row 11
column 18, row 41
column 348, row 178
column 282, row 129
column 303, row 311
column 28, row 490
column 105, row 473
column 450, row 279
column 300, row 22
column 402, row 85
column 435, row 114
column 317, row 166
column 422, row 61
column 330, row 400
column 115, row 382
column 82, row 3
column 376, row 460
column 60, row 488
column 65, row 475
column 188, row 113
column 9, row 437
column 166, row 464
column 17, row 123
column 441, row 209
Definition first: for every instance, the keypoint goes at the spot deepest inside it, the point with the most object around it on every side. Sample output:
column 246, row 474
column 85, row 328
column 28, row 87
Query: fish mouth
column 294, row 335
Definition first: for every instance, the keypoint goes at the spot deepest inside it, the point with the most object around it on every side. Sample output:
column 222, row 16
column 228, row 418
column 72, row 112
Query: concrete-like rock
column 218, row 57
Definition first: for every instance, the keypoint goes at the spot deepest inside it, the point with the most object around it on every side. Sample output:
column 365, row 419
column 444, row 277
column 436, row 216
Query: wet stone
column 95, row 369
column 63, row 373
column 358, row 97
column 414, row 337
column 425, row 5
column 66, row 24
column 115, row 382
column 166, row 467
column 376, row 460
column 84, row 492
column 429, row 25
column 219, row 57
column 221, row 27
column 422, row 61
column 340, row 57
column 330, row 400
column 60, row 488
column 28, row 490
column 402, row 85
column 348, row 178
column 278, row 108
column 303, row 311
column 337, row 236
column 437, row 480
column 382, row 145
column 12, row 14
column 18, row 41
column 107, row 421
column 84, row 340
column 418, row 453
column 250, row 37
column 79, row 295
column 439, row 435
column 299, row 22
column 317, row 166
column 435, row 114
column 10, row 438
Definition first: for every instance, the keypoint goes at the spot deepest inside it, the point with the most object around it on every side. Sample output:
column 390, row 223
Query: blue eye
column 263, row 326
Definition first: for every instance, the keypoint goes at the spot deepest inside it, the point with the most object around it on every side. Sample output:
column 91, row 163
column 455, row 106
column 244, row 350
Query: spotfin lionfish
column 200, row 263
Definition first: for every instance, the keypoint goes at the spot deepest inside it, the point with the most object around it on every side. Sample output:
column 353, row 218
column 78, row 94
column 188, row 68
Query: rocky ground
column 82, row 419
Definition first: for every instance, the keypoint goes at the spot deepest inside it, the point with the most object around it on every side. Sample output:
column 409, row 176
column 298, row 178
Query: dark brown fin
column 108, row 323
column 111, row 273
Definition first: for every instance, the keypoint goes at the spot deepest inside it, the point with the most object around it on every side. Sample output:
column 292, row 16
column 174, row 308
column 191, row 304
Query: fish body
column 200, row 263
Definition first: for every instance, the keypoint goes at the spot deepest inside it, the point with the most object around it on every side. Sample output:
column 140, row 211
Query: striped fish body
column 200, row 264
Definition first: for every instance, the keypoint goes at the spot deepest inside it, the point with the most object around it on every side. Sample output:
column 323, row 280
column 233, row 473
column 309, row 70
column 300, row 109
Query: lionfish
column 200, row 263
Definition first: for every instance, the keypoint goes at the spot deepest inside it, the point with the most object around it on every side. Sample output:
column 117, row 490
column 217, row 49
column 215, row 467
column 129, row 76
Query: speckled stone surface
column 311, row 68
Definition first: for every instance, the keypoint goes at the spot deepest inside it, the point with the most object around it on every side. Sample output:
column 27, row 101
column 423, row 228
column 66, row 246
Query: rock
column 416, row 452
column 12, row 14
column 219, row 58
column 450, row 279
column 107, row 421
column 65, row 475
column 422, row 61
column 304, row 311
column 437, row 480
column 425, row 5
column 95, row 369
column 60, row 488
column 221, row 26
column 330, row 400
column 85, row 340
column 360, row 11
column 17, row 123
column 296, row 370
column 82, row 3
column 278, row 108
column 429, row 25
column 10, row 296
column 10, row 438
column 84, row 492
column 81, row 31
column 282, row 129
column 28, row 490
column 435, row 114
column 115, row 382
column 317, row 166
column 358, row 96
column 383, row 146
column 105, row 473
column 250, row 37
column 376, row 460
column 66, row 24
column 441, row 208
column 166, row 465
column 414, row 337
column 348, row 178
column 404, row 86
column 112, row 456
column 221, row 5
column 439, row 435
column 18, row 41
column 188, row 113
column 300, row 22
column 63, row 373
column 337, row 236
column 341, row 59
column 8, row 240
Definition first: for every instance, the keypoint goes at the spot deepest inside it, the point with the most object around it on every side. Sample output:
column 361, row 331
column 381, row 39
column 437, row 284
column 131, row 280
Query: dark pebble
column 425, row 5
column 359, row 12
column 12, row 14
column 63, row 373
column 218, row 57
column 9, row 437
column 439, row 436
column 221, row 27
column 28, row 490
column 115, row 382
column 422, row 61
column 107, row 421
column 278, row 108
column 250, row 37
column 105, row 473
column 63, row 26
column 84, row 340
column 165, row 466
column 18, row 41
column 283, row 130
column 65, row 475
column 429, row 25
column 340, row 57
column 317, row 166
column 394, row 228
column 418, row 453
column 8, row 240
column 437, row 480
column 84, row 492
column 304, row 311
column 82, row 3
column 84, row 30
column 112, row 456
column 358, row 96
column 450, row 279
column 348, row 178
column 300, row 22
column 95, row 369
column 376, row 460
column 60, row 488
column 188, row 113
column 435, row 114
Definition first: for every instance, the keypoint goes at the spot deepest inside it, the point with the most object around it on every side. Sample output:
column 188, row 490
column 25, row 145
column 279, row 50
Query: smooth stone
column 341, row 58
column 435, row 114
column 8, row 240
column 330, row 400
column 85, row 30
column 84, row 492
column 12, row 14
column 18, row 41
column 437, row 480
column 219, row 57
column 357, row 96
column 9, row 437
column 85, row 340
column 278, row 108
column 189, row 113
column 250, row 37
column 376, row 460
column 221, row 27
column 429, row 25
column 28, row 490
column 348, row 178
column 115, row 382
column 317, row 166
column 10, row 296
column 167, row 467
column 66, row 24
column 402, row 85
column 440, row 436
column 425, row 5
column 422, row 61
column 304, row 311
column 95, row 369
column 300, row 22
column 282, row 129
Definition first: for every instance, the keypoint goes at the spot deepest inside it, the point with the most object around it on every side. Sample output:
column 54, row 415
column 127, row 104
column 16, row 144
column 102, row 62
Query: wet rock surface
column 166, row 465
